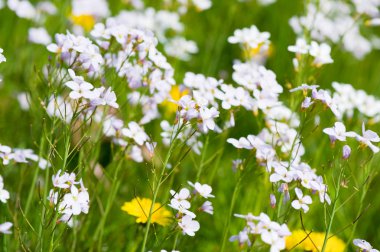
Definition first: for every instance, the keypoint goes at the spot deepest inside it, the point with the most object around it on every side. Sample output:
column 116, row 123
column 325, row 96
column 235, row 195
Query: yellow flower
column 176, row 93
column 140, row 208
column 314, row 242
column 86, row 21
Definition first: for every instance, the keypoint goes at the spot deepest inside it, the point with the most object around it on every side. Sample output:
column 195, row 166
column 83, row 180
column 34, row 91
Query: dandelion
column 140, row 208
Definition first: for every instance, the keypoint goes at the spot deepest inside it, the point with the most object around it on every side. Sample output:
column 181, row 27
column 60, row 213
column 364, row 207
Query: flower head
column 314, row 242
column 140, row 208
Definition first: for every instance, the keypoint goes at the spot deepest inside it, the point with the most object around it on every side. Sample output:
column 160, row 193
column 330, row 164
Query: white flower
column 249, row 36
column 75, row 202
column 207, row 116
column 188, row 108
column 304, row 87
column 203, row 190
column 321, row 53
column 364, row 245
column 242, row 237
column 188, row 225
column 367, row 138
column 63, row 181
column 338, row 132
column 302, row 202
column 79, row 87
column 207, row 207
column 135, row 132
column 39, row 36
column 272, row 238
column 104, row 97
column 5, row 228
column 4, row 194
column 301, row 47
column 2, row 58
column 281, row 174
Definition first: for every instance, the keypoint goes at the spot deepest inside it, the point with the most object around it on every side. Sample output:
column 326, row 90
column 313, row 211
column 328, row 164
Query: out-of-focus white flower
column 251, row 37
column 2, row 57
column 321, row 53
column 4, row 194
column 23, row 99
column 301, row 47
column 39, row 36
column 364, row 245
column 181, row 48
column 135, row 132
column 22, row 8
column 202, row 4
column 5, row 228
column 346, row 151
column 207, row 207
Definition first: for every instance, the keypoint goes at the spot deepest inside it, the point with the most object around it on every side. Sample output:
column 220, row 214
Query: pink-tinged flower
column 346, row 152
column 207, row 208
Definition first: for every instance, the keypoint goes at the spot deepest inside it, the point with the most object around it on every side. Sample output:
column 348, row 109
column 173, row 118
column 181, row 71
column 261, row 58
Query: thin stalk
column 37, row 169
column 228, row 221
column 201, row 165
column 115, row 186
column 159, row 183
column 338, row 186
column 156, row 189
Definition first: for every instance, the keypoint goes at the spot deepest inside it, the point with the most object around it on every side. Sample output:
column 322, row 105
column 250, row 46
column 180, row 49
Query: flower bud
column 346, row 152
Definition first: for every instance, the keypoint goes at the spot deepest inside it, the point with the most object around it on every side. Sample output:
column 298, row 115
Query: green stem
column 35, row 176
column 175, row 241
column 156, row 189
column 115, row 187
column 333, row 210
column 201, row 165
column 228, row 221
column 159, row 183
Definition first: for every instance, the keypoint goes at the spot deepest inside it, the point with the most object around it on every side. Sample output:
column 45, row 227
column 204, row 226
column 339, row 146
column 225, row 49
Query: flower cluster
column 69, row 196
column 181, row 202
column 319, row 52
column 270, row 232
column 21, row 156
column 335, row 21
column 367, row 138
column 255, row 44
